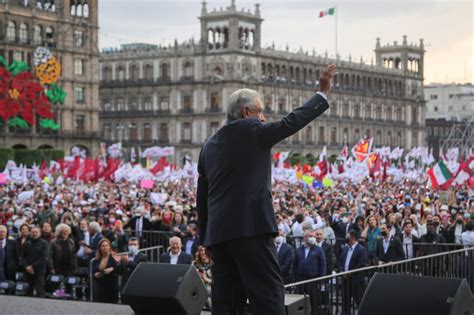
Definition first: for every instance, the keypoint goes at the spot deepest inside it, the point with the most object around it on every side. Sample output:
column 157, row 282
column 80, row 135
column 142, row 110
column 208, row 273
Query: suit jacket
column 285, row 260
column 12, row 259
column 358, row 258
column 126, row 269
column 327, row 249
column 394, row 252
column 313, row 266
column 450, row 233
column 183, row 259
column 234, row 197
column 415, row 241
column 94, row 242
column 146, row 225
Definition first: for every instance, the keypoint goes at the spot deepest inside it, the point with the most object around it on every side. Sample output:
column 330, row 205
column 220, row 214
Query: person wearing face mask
column 354, row 256
column 130, row 261
column 285, row 257
column 138, row 223
column 431, row 237
column 454, row 232
column 388, row 248
column 310, row 260
column 309, row 263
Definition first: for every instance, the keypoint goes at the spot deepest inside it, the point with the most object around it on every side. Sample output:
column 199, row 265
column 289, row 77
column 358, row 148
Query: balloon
column 471, row 182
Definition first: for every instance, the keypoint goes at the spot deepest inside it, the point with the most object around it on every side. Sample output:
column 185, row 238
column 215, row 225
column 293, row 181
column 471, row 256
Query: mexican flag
column 329, row 11
column 439, row 174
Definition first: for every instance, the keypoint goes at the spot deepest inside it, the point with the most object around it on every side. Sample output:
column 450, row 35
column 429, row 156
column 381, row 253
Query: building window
column 78, row 38
column 357, row 111
column 79, row 126
column 107, row 74
column 79, row 94
column 146, row 132
column 133, row 104
column 49, row 36
column 133, row 132
column 148, row 72
column 187, row 103
column 215, row 102
column 345, row 110
column 47, row 5
column 80, row 8
column 165, row 71
column 356, row 135
column 378, row 137
column 148, row 104
column 107, row 132
column 119, row 129
column 79, row 67
column 163, row 132
column 106, row 105
column 37, row 35
column 11, row 31
column 134, row 72
column 433, row 96
column 415, row 115
column 322, row 137
column 120, row 104
column 389, row 138
column 333, row 135
column 214, row 127
column 164, row 103
column 436, row 108
column 345, row 135
column 23, row 33
column 309, row 134
column 368, row 111
column 187, row 131
column 188, row 69
column 19, row 56
column 120, row 73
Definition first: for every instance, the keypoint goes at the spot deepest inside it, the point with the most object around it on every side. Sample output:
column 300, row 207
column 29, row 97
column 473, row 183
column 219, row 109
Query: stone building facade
column 69, row 28
column 177, row 95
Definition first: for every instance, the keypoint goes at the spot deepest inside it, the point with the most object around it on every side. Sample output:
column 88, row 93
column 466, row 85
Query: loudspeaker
column 391, row 294
column 296, row 304
column 165, row 289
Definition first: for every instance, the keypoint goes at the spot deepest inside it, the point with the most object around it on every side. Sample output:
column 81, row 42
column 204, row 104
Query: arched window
column 49, row 36
column 322, row 137
column 165, row 71
column 107, row 73
column 146, row 132
column 309, row 135
column 164, row 103
column 120, row 104
column 148, row 103
column 333, row 135
column 215, row 102
column 23, row 33
column 107, row 132
column 389, row 138
column 120, row 73
column 148, row 72
column 119, row 131
column 357, row 110
column 78, row 38
column 11, row 31
column 345, row 135
column 188, row 69
column 37, row 35
column 133, row 132
column 356, row 135
column 345, row 110
column 378, row 137
column 134, row 72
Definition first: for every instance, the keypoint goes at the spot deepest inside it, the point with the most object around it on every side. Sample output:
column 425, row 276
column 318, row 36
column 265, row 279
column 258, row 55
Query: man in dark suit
column 327, row 249
column 409, row 241
column 95, row 235
column 9, row 256
column 175, row 256
column 34, row 261
column 388, row 248
column 285, row 258
column 191, row 242
column 353, row 256
column 234, row 200
column 130, row 261
column 138, row 224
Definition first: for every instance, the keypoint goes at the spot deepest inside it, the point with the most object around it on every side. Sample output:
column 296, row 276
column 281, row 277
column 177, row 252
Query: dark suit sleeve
column 271, row 133
column 329, row 260
column 399, row 248
column 287, row 261
column 362, row 259
column 201, row 201
column 43, row 258
column 322, row 263
column 342, row 259
column 295, row 265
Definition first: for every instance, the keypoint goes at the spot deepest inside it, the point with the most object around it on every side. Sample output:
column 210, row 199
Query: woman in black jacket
column 62, row 252
column 105, row 270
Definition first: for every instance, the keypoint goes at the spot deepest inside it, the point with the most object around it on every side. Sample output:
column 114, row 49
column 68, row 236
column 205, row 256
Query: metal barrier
column 341, row 293
column 153, row 254
column 154, row 238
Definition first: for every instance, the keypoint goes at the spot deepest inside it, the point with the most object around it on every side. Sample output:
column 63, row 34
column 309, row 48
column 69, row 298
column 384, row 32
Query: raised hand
column 325, row 80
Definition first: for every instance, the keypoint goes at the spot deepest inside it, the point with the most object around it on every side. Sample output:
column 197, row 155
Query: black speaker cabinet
column 296, row 304
column 165, row 289
column 391, row 294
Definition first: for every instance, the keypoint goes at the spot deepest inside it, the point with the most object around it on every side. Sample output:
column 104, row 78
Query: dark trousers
column 36, row 282
column 247, row 268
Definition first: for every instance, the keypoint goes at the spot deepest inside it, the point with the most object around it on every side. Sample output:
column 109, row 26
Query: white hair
column 238, row 100
column 61, row 227
column 95, row 226
column 175, row 238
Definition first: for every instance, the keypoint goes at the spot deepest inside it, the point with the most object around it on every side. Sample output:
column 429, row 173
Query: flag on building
column 439, row 174
column 330, row 11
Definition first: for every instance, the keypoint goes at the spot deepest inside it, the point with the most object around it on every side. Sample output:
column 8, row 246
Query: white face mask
column 345, row 220
column 133, row 249
column 278, row 240
column 312, row 240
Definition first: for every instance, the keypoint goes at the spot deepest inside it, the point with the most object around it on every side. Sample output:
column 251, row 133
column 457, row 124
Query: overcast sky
column 445, row 25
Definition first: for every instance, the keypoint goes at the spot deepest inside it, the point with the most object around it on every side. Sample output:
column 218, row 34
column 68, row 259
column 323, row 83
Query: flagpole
column 335, row 8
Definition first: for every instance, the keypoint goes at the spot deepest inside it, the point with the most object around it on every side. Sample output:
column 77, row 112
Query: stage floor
column 10, row 305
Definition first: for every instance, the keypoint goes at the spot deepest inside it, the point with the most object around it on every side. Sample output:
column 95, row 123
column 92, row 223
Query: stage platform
column 18, row 305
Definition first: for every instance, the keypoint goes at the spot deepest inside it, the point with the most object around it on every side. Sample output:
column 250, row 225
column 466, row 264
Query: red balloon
column 471, row 182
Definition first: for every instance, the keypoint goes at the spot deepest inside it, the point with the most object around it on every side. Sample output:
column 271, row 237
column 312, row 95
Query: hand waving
column 325, row 81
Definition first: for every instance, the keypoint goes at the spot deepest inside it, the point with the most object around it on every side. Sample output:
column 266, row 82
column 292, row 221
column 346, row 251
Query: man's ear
column 244, row 112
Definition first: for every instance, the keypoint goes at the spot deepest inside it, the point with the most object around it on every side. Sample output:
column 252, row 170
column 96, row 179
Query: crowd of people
column 58, row 229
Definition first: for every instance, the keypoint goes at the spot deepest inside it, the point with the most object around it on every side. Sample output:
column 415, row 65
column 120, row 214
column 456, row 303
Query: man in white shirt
column 176, row 256
column 468, row 236
column 408, row 240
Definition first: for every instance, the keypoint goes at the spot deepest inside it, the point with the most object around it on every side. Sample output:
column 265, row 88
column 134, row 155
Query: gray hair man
column 234, row 200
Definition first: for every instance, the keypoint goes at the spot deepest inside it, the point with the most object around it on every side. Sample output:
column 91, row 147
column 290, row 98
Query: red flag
column 73, row 167
column 323, row 166
column 42, row 171
column 159, row 166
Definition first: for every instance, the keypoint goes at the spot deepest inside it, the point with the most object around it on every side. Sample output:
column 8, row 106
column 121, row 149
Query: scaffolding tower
column 460, row 136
